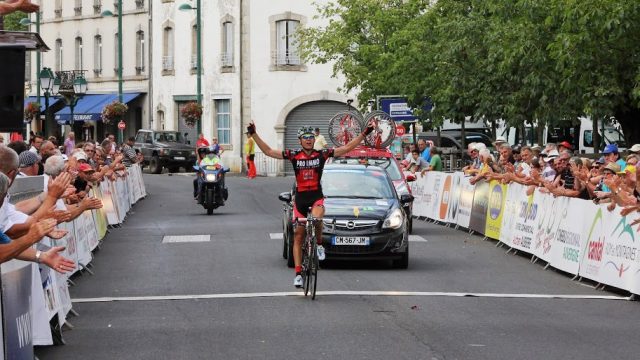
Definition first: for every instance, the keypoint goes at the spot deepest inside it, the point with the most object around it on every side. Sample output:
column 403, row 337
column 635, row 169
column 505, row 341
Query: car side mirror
column 285, row 197
column 410, row 178
column 406, row 198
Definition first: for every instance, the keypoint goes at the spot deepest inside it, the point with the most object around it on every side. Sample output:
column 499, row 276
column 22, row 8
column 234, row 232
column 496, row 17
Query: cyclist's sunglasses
column 307, row 137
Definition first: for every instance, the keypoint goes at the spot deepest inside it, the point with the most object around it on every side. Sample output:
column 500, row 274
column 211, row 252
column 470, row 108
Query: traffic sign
column 400, row 130
column 122, row 125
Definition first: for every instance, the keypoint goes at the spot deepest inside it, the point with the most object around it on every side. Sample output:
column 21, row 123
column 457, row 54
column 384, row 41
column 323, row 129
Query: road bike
column 310, row 263
column 348, row 124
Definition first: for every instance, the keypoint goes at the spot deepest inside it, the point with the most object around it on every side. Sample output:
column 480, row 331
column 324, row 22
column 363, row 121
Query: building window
column 194, row 47
column 58, row 9
column 79, row 60
column 167, row 50
column 97, row 55
column 286, row 52
column 223, row 120
column 77, row 9
column 97, row 7
column 59, row 55
column 139, row 4
column 227, row 44
column 115, row 53
column 139, row 52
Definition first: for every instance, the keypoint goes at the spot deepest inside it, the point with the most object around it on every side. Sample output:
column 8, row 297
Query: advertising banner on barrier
column 39, row 310
column 445, row 197
column 90, row 230
column 433, row 210
column 525, row 222
column 83, row 253
column 565, row 250
column 515, row 192
column 465, row 202
column 16, row 309
column 109, row 205
column 422, row 190
column 480, row 205
column 553, row 210
column 497, row 197
column 454, row 197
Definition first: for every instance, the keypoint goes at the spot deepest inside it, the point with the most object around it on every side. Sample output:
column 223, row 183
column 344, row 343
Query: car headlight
column 211, row 177
column 394, row 220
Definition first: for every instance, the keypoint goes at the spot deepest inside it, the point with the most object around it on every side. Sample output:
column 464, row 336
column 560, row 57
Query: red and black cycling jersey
column 308, row 168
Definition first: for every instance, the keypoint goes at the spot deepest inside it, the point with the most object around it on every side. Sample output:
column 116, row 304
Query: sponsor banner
column 454, row 197
column 480, row 205
column 495, row 211
column 109, row 205
column 433, row 205
column 527, row 215
column 553, row 212
column 516, row 193
column 99, row 215
column 16, row 309
column 422, row 190
column 560, row 235
column 39, row 310
column 445, row 198
column 465, row 202
column 91, row 232
column 83, row 253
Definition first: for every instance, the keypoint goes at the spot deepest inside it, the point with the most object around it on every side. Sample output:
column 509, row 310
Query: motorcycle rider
column 210, row 158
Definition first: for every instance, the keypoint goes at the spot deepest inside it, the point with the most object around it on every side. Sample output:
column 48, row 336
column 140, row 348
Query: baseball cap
column 85, row 168
column 611, row 148
column 28, row 158
column 80, row 155
column 635, row 148
column 600, row 161
column 613, row 167
column 566, row 145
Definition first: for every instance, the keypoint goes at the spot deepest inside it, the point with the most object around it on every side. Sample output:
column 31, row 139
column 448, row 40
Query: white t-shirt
column 9, row 216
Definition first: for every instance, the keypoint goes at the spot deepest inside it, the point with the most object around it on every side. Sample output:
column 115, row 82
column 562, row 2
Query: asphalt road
column 232, row 297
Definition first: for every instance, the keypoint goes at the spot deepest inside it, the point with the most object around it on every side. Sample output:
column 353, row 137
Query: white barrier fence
column 572, row 235
column 33, row 294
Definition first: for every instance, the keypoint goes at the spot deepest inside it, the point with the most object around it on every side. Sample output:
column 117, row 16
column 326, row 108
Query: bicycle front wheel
column 313, row 275
column 306, row 266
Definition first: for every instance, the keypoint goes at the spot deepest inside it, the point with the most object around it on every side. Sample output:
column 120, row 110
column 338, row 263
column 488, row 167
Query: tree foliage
column 522, row 61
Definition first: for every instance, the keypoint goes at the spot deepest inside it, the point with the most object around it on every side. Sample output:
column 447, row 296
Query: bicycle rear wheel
column 384, row 132
column 345, row 126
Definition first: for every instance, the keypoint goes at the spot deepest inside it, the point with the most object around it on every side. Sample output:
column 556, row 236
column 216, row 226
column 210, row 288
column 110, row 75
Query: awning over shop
column 89, row 108
column 29, row 99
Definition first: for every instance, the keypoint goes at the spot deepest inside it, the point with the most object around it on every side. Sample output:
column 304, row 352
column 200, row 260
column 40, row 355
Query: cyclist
column 307, row 165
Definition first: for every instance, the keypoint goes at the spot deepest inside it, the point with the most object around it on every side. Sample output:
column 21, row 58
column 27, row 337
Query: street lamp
column 109, row 13
column 46, row 82
column 188, row 7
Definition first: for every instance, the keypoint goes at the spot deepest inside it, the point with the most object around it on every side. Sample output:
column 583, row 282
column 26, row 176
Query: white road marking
column 348, row 293
column 417, row 238
column 412, row 238
column 185, row 238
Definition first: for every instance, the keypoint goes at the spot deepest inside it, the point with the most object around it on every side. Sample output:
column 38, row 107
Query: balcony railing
column 167, row 63
column 226, row 59
column 139, row 4
column 280, row 57
column 77, row 10
column 58, row 13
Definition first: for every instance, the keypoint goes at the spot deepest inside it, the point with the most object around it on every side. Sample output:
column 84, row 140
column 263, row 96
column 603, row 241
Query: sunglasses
column 308, row 137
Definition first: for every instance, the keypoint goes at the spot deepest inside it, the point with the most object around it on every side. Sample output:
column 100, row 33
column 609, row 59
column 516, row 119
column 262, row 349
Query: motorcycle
column 212, row 192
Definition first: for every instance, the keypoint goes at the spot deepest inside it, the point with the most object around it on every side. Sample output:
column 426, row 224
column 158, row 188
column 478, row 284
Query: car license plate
column 351, row 240
column 179, row 158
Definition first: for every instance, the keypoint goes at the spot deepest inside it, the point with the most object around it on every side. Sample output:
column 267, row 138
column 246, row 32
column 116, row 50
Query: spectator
column 500, row 140
column 424, row 149
column 130, row 156
column 18, row 146
column 36, row 141
column 29, row 164
column 54, row 140
column 417, row 163
column 536, row 150
column 69, row 143
column 202, row 141
column 216, row 147
column 321, row 142
column 549, row 172
column 89, row 149
column 436, row 161
column 611, row 154
column 410, row 149
column 472, row 150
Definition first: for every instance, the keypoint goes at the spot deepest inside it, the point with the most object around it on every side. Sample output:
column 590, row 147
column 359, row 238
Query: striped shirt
column 129, row 155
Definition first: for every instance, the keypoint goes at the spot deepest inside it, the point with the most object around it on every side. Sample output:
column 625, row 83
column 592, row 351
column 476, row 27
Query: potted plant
column 113, row 111
column 31, row 110
column 191, row 113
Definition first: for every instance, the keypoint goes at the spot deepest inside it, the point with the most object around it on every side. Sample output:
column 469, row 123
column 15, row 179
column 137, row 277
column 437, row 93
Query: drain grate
column 185, row 238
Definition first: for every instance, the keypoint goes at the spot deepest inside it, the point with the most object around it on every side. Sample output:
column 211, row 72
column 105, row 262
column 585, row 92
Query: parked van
column 579, row 136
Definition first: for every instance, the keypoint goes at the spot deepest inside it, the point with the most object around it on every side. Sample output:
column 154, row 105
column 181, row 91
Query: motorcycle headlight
column 394, row 220
column 211, row 177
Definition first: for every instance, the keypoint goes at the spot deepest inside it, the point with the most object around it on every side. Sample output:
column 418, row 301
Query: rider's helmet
column 305, row 130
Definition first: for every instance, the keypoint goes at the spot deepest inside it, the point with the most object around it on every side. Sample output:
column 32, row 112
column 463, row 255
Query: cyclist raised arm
column 307, row 165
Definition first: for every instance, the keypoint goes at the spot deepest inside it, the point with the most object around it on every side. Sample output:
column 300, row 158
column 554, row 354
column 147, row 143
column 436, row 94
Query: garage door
column 313, row 114
column 183, row 128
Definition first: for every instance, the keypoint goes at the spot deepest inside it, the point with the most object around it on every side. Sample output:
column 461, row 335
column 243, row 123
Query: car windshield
column 169, row 137
column 389, row 165
column 354, row 183
column 614, row 137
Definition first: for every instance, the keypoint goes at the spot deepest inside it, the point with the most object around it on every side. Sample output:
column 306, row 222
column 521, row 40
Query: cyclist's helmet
column 305, row 130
